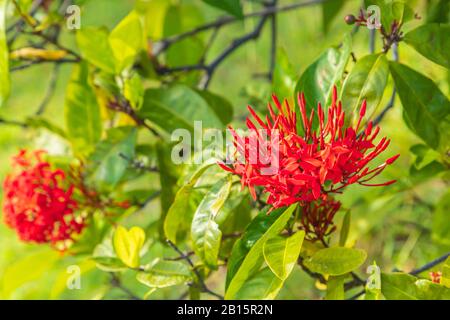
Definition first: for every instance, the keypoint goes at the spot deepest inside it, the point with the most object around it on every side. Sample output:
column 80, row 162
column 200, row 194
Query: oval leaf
column 281, row 254
column 431, row 41
column 165, row 274
column 424, row 104
column 128, row 245
column 335, row 261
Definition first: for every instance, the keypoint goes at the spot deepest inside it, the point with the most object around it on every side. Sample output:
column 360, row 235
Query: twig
column 13, row 123
column 139, row 165
column 37, row 62
column 312, row 274
column 185, row 257
column 430, row 264
column 50, row 91
column 165, row 43
column 273, row 42
column 392, row 99
column 237, row 43
column 116, row 283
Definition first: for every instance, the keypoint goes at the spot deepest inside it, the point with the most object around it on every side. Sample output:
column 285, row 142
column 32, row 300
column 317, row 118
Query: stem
column 202, row 283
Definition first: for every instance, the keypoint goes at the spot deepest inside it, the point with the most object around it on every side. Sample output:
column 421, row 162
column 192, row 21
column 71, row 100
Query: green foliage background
column 396, row 225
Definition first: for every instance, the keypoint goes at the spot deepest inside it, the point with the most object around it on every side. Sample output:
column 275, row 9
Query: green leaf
column 109, row 264
column 424, row 104
column 366, row 81
column 318, row 80
column 402, row 286
column 127, row 40
column 438, row 11
column 221, row 106
column 165, row 274
column 329, row 11
column 445, row 279
column 27, row 270
column 128, row 245
column 205, row 232
column 335, row 288
column 5, row 85
column 431, row 41
column 254, row 231
column 252, row 260
column 82, row 113
column 335, row 261
column 95, row 48
column 262, row 285
column 177, row 218
column 109, row 161
column 441, row 221
column 233, row 7
column 178, row 107
column 345, row 228
column 281, row 254
column 284, row 76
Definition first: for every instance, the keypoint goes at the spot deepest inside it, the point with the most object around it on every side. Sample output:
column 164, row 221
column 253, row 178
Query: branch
column 185, row 257
column 164, row 44
column 273, row 40
column 13, row 123
column 392, row 99
column 139, row 165
column 116, row 283
column 37, row 62
column 50, row 91
column 430, row 264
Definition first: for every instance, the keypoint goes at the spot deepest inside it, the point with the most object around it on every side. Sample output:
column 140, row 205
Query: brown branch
column 200, row 279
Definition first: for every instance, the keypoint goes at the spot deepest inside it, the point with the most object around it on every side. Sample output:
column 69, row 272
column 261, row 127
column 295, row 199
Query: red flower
column 317, row 218
column 312, row 164
column 37, row 204
column 436, row 276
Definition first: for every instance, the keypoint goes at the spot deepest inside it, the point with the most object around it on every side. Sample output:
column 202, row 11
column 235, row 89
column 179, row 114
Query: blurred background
column 393, row 224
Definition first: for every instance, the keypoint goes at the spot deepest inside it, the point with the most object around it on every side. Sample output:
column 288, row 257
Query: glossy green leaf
column 402, row 286
column 177, row 108
column 281, row 254
column 82, row 113
column 262, row 285
column 128, row 245
column 335, row 288
column 178, row 217
column 5, row 86
column 127, row 40
column 254, row 231
column 94, row 46
column 110, row 159
column 221, row 106
column 431, row 41
column 445, row 279
column 366, row 81
column 345, row 228
column 253, row 259
column 109, row 264
column 441, row 221
column 284, row 76
column 336, row 261
column 205, row 232
column 165, row 274
column 233, row 7
column 318, row 80
column 424, row 104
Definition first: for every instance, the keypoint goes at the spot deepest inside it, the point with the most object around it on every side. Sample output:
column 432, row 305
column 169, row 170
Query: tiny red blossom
column 317, row 218
column 436, row 276
column 310, row 165
column 38, row 202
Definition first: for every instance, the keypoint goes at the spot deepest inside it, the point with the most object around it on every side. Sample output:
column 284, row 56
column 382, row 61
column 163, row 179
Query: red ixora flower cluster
column 310, row 165
column 38, row 202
